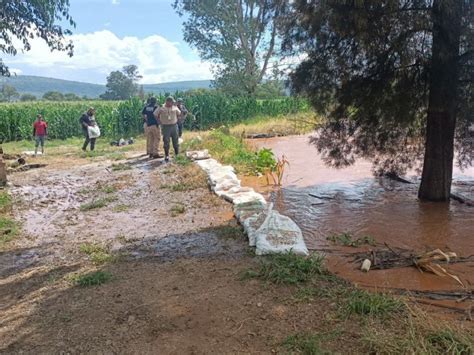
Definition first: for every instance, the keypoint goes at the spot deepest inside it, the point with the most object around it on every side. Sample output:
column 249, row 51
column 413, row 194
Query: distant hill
column 38, row 85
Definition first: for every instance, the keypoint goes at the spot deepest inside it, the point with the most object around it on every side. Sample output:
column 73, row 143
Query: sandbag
column 93, row 131
column 279, row 234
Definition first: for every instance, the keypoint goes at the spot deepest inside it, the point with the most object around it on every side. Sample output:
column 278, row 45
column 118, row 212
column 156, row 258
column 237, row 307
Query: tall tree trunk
column 441, row 121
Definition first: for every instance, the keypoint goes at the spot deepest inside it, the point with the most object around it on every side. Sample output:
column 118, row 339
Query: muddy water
column 352, row 200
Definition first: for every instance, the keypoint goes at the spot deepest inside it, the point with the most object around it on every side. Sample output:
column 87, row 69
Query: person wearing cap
column 88, row 120
column 40, row 131
column 152, row 131
column 168, row 117
column 182, row 116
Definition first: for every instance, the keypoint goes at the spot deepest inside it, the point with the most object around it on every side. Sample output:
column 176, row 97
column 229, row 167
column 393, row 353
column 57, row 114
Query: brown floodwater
column 353, row 200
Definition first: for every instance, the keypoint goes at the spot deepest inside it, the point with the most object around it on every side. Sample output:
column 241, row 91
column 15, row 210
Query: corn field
column 124, row 119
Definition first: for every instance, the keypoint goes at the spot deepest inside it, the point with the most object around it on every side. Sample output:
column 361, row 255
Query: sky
column 112, row 33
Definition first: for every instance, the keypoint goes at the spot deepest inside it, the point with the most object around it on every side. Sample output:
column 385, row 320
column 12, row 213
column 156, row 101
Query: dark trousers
column 180, row 128
column 86, row 142
column 170, row 131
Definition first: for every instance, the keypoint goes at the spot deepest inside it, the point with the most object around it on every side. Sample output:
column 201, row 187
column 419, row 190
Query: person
column 152, row 131
column 168, row 117
column 87, row 120
column 182, row 116
column 40, row 131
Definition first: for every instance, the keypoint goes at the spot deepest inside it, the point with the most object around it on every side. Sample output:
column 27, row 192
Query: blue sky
column 112, row 33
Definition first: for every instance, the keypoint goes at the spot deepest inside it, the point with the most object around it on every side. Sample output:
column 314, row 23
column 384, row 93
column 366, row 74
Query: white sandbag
column 208, row 164
column 217, row 176
column 245, row 210
column 93, row 131
column 225, row 186
column 279, row 234
column 252, row 224
column 248, row 197
column 198, row 154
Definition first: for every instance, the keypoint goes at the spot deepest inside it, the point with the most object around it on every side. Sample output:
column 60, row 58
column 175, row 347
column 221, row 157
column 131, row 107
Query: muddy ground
column 176, row 257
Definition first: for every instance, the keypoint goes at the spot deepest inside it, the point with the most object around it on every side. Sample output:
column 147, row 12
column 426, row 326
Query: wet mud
column 326, row 202
column 136, row 220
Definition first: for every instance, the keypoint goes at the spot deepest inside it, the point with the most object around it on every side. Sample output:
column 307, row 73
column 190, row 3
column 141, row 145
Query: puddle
column 325, row 201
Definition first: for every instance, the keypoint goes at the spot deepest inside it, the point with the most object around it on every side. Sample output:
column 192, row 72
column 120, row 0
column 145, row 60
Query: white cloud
column 97, row 54
column 115, row 2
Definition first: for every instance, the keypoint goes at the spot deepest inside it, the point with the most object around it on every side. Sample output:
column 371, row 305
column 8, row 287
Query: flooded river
column 325, row 201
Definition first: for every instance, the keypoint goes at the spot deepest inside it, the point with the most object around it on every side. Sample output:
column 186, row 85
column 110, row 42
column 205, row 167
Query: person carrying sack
column 168, row 117
column 152, row 131
column 88, row 120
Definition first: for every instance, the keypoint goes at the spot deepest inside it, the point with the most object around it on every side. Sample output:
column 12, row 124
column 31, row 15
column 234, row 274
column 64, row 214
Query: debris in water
column 366, row 265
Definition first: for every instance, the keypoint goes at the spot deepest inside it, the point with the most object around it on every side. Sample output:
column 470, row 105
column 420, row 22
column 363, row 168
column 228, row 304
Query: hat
column 170, row 98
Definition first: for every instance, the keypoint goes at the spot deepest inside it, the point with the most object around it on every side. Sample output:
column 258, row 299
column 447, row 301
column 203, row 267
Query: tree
column 27, row 97
column 121, row 85
column 71, row 97
column 8, row 93
column 238, row 36
column 24, row 20
column 53, row 96
column 394, row 78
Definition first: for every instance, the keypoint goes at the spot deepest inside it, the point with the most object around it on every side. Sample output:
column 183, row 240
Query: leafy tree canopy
column 8, row 93
column 26, row 19
column 371, row 67
column 239, row 37
column 121, row 85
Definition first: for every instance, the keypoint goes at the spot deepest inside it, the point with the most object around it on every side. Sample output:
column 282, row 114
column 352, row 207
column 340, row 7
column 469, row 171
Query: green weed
column 121, row 208
column 5, row 201
column 97, row 253
column 121, row 167
column 8, row 229
column 372, row 304
column 177, row 210
column 306, row 344
column 99, row 203
column 228, row 231
column 182, row 160
column 109, row 189
column 93, row 278
column 288, row 268
column 447, row 342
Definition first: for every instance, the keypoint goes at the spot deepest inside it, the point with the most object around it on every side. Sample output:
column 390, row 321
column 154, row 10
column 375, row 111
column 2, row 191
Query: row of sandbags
column 267, row 230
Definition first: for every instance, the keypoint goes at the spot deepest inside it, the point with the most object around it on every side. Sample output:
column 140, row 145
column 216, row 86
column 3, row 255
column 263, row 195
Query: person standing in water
column 152, row 130
column 87, row 120
column 40, row 131
column 168, row 117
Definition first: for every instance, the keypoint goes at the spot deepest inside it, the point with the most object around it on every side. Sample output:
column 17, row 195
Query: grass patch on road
column 96, row 253
column 177, row 210
column 121, row 167
column 94, row 278
column 99, row 203
column 289, row 269
column 8, row 229
column 366, row 303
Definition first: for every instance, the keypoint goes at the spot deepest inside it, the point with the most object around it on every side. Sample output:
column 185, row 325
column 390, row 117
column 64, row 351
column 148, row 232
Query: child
column 40, row 131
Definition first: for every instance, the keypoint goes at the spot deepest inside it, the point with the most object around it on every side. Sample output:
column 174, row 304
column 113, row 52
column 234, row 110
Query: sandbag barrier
column 267, row 230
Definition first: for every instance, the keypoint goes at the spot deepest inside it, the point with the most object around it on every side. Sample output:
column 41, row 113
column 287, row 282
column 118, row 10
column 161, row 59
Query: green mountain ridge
column 37, row 85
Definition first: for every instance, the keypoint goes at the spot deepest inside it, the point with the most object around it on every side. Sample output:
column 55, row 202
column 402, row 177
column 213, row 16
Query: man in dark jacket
column 86, row 120
column 152, row 131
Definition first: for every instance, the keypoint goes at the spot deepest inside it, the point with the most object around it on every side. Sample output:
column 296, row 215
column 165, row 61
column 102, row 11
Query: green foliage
column 93, row 278
column 447, row 342
column 53, row 96
column 8, row 229
column 123, row 118
column 347, row 239
column 177, row 210
column 99, row 203
column 306, row 344
column 97, row 253
column 288, row 268
column 8, row 93
column 5, row 201
column 265, row 160
column 27, row 97
column 372, row 304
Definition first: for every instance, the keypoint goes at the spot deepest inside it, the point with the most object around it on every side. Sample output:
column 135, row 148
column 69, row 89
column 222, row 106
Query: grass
column 8, row 229
column 347, row 239
column 185, row 178
column 121, row 167
column 93, row 278
column 288, row 268
column 97, row 253
column 5, row 201
column 121, row 208
column 366, row 303
column 177, row 210
column 99, row 203
column 109, row 189
column 303, row 343
column 182, row 160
